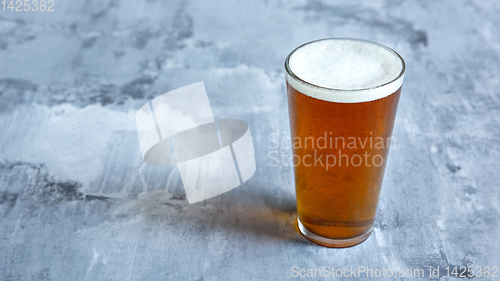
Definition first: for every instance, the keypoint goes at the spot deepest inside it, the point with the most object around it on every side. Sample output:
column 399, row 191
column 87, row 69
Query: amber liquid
column 340, row 202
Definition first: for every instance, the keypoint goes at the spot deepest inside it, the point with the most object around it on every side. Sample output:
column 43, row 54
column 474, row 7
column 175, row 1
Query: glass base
column 330, row 242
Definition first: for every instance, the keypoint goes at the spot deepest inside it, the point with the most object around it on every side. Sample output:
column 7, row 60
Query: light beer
column 342, row 96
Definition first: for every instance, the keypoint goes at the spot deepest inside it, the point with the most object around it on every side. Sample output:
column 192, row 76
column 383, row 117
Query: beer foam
column 345, row 70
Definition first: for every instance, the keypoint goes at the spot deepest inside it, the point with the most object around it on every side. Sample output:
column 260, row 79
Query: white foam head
column 345, row 70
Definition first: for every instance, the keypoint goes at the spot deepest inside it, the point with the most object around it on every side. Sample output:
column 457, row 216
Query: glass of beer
column 342, row 98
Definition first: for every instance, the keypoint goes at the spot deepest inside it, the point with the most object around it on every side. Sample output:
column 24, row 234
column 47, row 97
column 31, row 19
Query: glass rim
column 290, row 72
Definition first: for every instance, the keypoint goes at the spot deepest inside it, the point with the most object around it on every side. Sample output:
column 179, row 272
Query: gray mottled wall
column 78, row 203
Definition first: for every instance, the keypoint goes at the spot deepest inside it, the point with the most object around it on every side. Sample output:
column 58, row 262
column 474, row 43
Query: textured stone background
column 78, row 203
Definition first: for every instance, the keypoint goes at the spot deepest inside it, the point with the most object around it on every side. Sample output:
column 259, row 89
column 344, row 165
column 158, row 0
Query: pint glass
column 342, row 97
